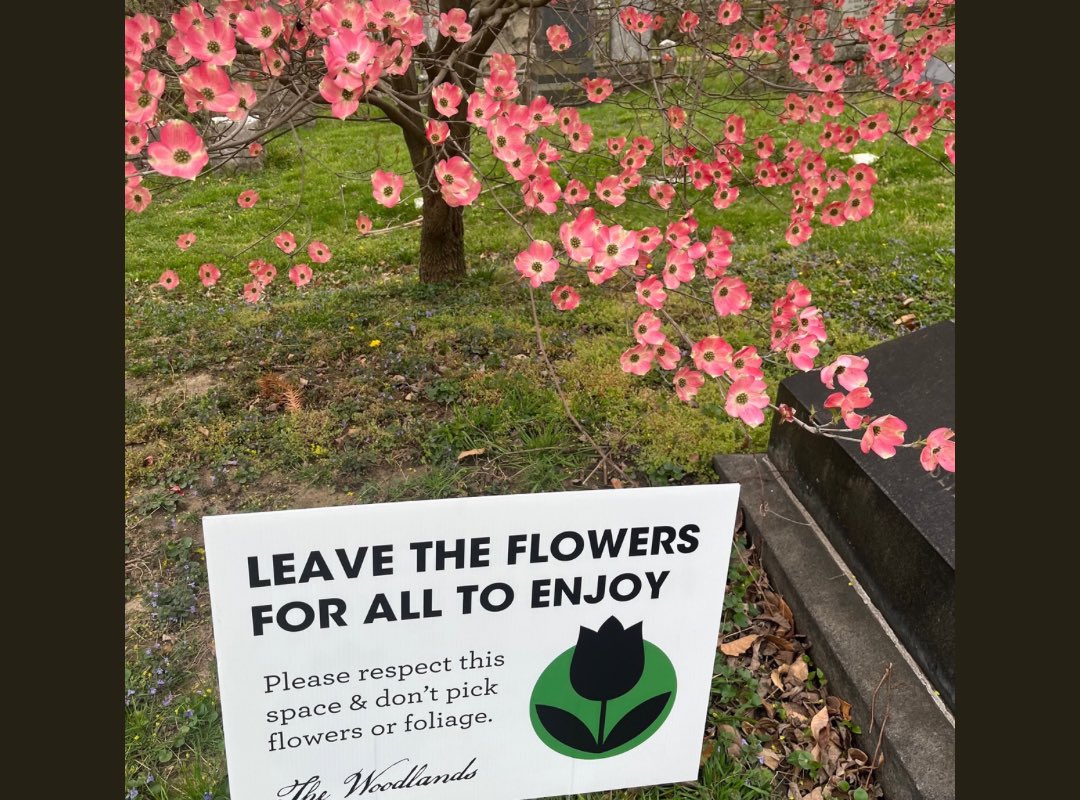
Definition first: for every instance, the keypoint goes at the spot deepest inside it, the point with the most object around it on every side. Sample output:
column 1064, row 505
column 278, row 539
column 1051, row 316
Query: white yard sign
column 491, row 647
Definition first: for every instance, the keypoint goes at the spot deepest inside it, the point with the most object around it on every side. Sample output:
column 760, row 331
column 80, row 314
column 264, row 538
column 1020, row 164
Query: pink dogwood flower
column 576, row 192
column 458, row 184
column 565, row 298
column 209, row 274
column 253, row 292
column 363, row 224
column 300, row 275
column 541, row 193
column 728, row 13
column 610, row 191
column 647, row 329
column 266, row 274
column 730, row 296
column 667, row 355
column 577, row 236
column 615, row 247
column 849, row 370
column 712, row 355
column 436, row 132
column 801, row 352
column 939, row 450
column 745, row 361
column 874, row 127
column 259, row 27
column 454, row 25
column 169, row 279
column 213, row 42
column 285, row 242
column 687, row 383
column 537, row 263
column 597, row 89
column 746, row 398
column 179, row 151
column 319, row 252
column 849, row 404
column 883, row 435
column 134, row 138
column 185, row 240
column 558, row 38
column 247, row 198
column 386, row 187
column 343, row 101
column 136, row 198
column 678, row 268
column 446, row 98
column 637, row 360
column 650, row 292
column 663, row 194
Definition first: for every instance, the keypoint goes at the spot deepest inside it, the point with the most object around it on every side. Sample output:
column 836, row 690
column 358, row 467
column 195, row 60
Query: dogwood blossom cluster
column 219, row 60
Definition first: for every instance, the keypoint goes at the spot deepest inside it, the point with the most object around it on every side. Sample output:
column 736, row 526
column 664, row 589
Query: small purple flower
column 153, row 690
column 208, row 796
column 166, row 701
column 133, row 794
column 189, row 714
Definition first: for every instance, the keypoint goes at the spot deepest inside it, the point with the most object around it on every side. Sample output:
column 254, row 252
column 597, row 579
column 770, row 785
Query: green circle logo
column 605, row 695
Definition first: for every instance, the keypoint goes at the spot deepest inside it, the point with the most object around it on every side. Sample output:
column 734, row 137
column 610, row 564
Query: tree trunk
column 442, row 241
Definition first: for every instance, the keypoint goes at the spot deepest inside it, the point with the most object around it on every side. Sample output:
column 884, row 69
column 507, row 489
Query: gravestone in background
column 629, row 52
column 891, row 521
column 558, row 76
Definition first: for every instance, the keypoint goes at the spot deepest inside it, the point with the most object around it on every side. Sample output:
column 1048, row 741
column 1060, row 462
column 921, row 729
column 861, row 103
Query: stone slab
column 849, row 639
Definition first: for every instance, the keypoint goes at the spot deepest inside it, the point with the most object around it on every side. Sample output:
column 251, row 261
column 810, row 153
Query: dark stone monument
column 558, row 76
column 890, row 520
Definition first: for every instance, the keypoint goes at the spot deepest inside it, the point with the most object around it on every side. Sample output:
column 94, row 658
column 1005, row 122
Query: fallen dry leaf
column 776, row 679
column 785, row 609
column 739, row 646
column 909, row 321
column 799, row 671
column 820, row 723
column 616, row 483
column 479, row 451
column 770, row 759
column 707, row 750
column 839, row 707
column 780, row 643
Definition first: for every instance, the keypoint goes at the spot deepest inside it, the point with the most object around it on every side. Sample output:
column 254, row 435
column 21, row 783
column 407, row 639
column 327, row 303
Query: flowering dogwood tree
column 833, row 73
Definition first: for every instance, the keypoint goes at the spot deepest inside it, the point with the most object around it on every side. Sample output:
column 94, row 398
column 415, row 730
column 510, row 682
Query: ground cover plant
column 361, row 384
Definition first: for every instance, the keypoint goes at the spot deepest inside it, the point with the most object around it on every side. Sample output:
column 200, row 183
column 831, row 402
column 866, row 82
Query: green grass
column 456, row 369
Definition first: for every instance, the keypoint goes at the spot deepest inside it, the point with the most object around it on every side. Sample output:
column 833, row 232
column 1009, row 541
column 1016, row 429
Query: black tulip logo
column 612, row 665
column 607, row 664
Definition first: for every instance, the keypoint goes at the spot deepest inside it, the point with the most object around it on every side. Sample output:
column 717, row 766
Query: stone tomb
column 558, row 76
column 890, row 521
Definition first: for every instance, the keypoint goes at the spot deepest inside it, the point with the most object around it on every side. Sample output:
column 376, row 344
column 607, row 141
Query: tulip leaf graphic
column 640, row 717
column 567, row 728
column 605, row 695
